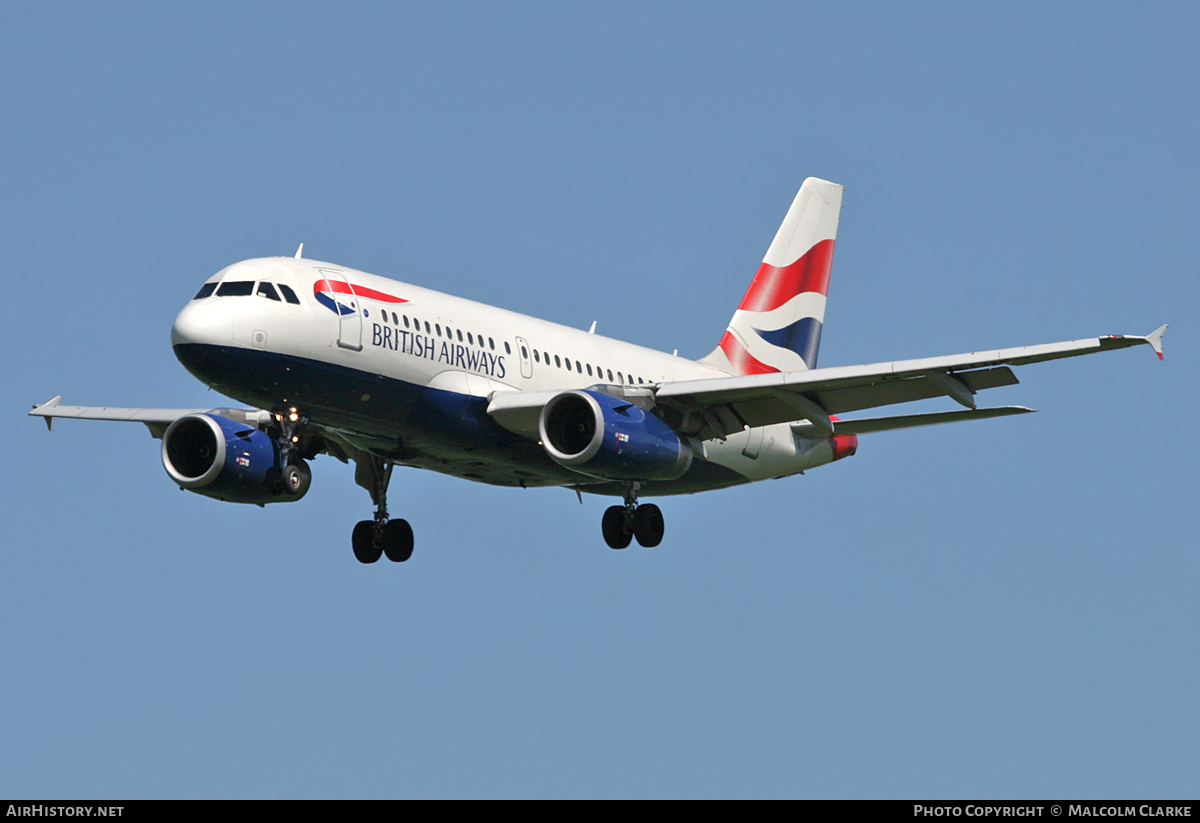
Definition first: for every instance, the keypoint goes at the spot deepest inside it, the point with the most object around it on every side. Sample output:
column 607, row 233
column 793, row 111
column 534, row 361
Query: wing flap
column 905, row 390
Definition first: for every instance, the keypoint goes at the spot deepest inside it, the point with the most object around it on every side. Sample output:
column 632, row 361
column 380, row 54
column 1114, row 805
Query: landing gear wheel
column 397, row 539
column 297, row 477
column 648, row 525
column 616, row 526
column 363, row 540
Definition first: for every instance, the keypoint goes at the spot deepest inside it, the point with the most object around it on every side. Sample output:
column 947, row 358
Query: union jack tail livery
column 777, row 327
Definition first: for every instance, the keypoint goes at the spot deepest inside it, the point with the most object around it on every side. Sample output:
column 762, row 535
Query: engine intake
column 608, row 437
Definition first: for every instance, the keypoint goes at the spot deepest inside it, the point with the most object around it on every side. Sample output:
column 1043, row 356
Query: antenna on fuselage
column 592, row 330
column 300, row 251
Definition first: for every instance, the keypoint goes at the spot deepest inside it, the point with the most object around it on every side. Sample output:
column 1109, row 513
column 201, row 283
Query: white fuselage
column 355, row 330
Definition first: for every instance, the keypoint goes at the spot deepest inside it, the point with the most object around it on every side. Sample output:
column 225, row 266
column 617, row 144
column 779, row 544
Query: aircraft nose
column 202, row 321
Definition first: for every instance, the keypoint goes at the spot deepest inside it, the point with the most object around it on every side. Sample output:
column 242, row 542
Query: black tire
column 297, row 477
column 616, row 527
column 363, row 540
column 648, row 525
column 397, row 540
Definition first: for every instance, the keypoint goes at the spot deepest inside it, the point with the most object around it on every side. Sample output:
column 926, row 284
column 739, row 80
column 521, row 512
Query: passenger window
column 459, row 333
column 620, row 378
column 567, row 363
column 439, row 328
column 610, row 375
column 288, row 294
column 589, row 369
column 491, row 345
column 236, row 288
column 266, row 290
column 405, row 320
column 536, row 357
column 578, row 367
column 470, row 340
column 427, row 330
column 557, row 362
column 205, row 290
column 507, row 348
column 524, row 353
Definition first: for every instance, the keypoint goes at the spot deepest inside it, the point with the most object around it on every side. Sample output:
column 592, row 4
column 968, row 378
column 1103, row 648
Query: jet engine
column 231, row 461
column 611, row 438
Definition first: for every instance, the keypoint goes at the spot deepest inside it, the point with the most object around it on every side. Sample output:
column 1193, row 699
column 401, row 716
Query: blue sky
column 1004, row 608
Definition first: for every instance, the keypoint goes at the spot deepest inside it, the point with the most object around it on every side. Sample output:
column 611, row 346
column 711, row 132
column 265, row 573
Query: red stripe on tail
column 775, row 285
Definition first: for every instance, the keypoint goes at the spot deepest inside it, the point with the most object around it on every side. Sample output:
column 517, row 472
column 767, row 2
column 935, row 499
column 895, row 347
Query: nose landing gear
column 623, row 523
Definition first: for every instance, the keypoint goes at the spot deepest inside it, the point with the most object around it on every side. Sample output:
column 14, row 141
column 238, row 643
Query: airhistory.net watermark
column 41, row 810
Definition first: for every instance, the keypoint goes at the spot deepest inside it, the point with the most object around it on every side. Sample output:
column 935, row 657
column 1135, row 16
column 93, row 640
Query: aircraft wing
column 717, row 407
column 157, row 420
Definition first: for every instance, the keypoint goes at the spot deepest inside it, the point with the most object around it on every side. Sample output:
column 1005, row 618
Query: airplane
column 368, row 369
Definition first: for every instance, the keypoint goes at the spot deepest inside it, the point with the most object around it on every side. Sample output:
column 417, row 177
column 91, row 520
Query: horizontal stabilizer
column 870, row 425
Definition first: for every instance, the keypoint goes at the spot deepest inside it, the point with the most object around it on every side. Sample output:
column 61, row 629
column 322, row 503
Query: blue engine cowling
column 222, row 458
column 608, row 437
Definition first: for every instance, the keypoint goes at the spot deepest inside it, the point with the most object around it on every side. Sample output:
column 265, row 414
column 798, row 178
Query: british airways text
column 421, row 345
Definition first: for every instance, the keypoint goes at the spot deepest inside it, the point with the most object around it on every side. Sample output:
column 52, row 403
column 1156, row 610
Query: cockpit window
column 236, row 288
column 288, row 294
column 205, row 290
column 265, row 289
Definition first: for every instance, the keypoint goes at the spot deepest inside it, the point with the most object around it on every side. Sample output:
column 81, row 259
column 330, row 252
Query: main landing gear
column 623, row 523
column 374, row 538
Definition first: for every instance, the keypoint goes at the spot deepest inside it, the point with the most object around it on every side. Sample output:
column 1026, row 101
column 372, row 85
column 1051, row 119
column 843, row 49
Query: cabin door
column 526, row 360
column 343, row 301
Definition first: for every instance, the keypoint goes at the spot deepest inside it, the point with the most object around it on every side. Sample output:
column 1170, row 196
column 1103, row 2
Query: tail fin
column 777, row 327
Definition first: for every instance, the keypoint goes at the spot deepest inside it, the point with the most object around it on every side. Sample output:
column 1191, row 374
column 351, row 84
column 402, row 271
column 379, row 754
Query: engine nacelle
column 222, row 458
column 608, row 437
